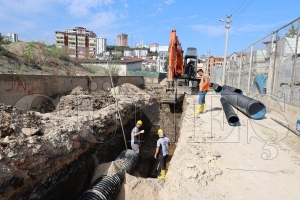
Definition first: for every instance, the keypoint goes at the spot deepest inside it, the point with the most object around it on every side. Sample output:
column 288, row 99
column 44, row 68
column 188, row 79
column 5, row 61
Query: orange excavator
column 180, row 81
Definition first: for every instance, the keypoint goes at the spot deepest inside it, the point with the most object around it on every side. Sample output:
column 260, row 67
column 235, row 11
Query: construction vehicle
column 179, row 81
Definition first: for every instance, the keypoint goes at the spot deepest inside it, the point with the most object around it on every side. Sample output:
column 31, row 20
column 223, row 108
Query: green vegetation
column 91, row 68
column 291, row 32
column 5, row 52
column 113, row 70
column 166, row 63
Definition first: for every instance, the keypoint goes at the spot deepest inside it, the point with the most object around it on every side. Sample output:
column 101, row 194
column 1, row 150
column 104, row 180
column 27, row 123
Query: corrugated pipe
column 231, row 116
column 217, row 88
column 250, row 107
column 106, row 187
column 232, row 89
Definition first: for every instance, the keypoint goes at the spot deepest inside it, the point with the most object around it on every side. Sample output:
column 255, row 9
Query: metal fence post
column 240, row 68
column 294, row 64
column 274, row 66
column 271, row 70
column 250, row 67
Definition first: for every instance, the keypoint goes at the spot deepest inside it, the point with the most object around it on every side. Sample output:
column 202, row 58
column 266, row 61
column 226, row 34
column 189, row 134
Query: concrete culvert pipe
column 250, row 107
column 217, row 88
column 106, row 187
column 232, row 118
column 232, row 89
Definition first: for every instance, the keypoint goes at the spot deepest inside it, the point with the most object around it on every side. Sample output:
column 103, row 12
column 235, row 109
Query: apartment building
column 101, row 46
column 79, row 42
column 154, row 47
column 13, row 37
column 215, row 61
column 122, row 40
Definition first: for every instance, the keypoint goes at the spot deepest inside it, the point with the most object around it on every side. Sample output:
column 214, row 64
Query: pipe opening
column 233, row 121
column 257, row 110
column 217, row 88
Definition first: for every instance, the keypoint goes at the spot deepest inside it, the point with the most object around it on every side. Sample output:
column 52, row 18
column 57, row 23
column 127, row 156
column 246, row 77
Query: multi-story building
column 215, row 61
column 13, row 37
column 79, row 42
column 122, row 40
column 154, row 47
column 101, row 46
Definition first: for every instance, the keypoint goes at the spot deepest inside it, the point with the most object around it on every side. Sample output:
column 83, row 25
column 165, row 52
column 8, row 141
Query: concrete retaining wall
column 27, row 91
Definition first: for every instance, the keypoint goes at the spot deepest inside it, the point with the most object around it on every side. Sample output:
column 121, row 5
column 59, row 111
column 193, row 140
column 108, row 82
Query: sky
column 196, row 21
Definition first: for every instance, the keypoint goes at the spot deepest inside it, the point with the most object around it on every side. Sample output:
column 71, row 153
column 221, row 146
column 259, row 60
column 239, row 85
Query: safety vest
column 207, row 86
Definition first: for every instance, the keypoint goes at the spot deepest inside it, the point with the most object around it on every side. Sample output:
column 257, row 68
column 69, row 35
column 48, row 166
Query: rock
column 218, row 171
column 6, row 139
column 190, row 165
column 215, row 154
column 10, row 154
column 208, row 159
column 1, row 157
column 210, row 178
column 203, row 182
column 190, row 174
column 201, row 170
column 30, row 131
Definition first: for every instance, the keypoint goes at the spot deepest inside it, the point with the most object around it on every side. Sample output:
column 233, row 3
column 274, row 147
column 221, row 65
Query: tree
column 291, row 32
column 166, row 64
column 116, row 56
column 153, row 69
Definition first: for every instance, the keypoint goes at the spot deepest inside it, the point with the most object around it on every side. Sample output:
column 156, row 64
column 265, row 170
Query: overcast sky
column 196, row 21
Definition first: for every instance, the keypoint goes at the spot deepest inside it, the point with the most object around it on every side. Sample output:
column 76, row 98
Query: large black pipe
column 250, row 107
column 232, row 118
column 232, row 89
column 217, row 88
column 106, row 187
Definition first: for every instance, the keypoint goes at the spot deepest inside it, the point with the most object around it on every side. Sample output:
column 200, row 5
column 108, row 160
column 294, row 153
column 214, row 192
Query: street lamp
column 227, row 26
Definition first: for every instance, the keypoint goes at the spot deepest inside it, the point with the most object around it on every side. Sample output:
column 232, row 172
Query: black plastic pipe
column 232, row 89
column 106, row 187
column 231, row 116
column 250, row 107
column 217, row 88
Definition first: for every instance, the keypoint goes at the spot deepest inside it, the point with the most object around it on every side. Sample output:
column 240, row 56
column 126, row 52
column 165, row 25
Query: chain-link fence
column 269, row 66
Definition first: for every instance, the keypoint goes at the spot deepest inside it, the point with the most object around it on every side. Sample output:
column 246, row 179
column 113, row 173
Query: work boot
column 163, row 174
column 198, row 109
column 203, row 108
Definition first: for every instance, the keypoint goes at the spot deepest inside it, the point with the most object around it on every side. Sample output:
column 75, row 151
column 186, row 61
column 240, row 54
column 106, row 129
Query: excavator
column 179, row 79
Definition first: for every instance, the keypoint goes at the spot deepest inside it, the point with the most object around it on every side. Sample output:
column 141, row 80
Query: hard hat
column 160, row 131
column 139, row 122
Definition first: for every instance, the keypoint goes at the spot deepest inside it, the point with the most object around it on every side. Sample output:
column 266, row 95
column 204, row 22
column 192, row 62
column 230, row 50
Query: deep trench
column 70, row 181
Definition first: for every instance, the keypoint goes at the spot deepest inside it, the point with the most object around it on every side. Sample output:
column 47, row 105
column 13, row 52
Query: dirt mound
column 126, row 89
column 139, row 188
column 16, row 122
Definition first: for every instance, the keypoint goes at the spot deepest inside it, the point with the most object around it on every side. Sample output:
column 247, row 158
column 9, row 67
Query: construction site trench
column 57, row 149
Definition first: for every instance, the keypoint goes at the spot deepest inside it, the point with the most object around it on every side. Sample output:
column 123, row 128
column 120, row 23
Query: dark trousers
column 162, row 162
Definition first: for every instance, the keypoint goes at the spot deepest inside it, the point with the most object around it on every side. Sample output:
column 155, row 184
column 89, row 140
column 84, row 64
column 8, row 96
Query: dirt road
column 256, row 160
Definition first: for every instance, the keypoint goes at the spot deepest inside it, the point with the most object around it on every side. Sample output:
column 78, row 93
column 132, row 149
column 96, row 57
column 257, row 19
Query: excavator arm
column 175, row 57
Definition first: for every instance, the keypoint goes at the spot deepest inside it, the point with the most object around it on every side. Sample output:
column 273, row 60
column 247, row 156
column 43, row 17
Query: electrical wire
column 239, row 7
column 249, row 3
column 234, row 6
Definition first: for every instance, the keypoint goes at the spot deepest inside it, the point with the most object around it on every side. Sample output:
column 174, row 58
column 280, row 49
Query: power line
column 239, row 7
column 249, row 3
column 235, row 6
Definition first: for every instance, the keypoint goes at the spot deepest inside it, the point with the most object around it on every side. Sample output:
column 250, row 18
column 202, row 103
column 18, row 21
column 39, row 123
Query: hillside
column 37, row 58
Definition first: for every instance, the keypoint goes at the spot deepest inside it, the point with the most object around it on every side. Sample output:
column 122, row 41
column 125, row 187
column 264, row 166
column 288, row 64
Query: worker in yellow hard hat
column 135, row 136
column 162, row 151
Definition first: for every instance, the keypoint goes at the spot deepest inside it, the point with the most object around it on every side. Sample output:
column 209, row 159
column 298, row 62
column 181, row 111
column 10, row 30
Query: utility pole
column 207, row 62
column 227, row 26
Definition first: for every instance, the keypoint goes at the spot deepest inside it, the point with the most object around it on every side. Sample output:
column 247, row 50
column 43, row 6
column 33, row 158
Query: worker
column 162, row 151
column 204, row 86
column 135, row 137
